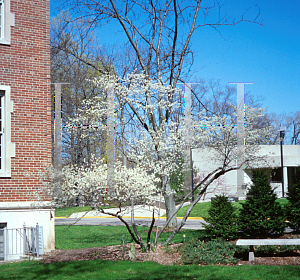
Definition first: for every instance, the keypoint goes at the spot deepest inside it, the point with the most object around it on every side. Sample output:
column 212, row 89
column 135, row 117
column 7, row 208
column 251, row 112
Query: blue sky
column 267, row 55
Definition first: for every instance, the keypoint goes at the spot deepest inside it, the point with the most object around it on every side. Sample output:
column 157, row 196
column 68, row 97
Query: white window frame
column 7, row 147
column 1, row 19
column 7, row 20
column 2, row 136
column 3, row 227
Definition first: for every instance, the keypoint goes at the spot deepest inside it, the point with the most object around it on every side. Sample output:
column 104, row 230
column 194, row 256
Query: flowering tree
column 160, row 49
column 218, row 136
column 155, row 141
column 89, row 183
column 154, row 148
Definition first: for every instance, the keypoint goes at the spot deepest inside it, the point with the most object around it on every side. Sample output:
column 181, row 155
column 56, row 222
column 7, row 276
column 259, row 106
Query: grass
column 78, row 237
column 199, row 210
column 282, row 201
column 68, row 211
column 100, row 269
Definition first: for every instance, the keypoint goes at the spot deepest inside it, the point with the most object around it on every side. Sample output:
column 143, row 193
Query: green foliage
column 222, row 219
column 266, row 249
column 292, row 209
column 177, row 180
column 276, row 249
column 211, row 252
column 261, row 215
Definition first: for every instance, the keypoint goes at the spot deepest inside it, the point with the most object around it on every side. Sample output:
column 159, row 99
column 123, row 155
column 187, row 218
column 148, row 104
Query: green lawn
column 100, row 269
column 68, row 211
column 200, row 209
column 282, row 201
column 77, row 237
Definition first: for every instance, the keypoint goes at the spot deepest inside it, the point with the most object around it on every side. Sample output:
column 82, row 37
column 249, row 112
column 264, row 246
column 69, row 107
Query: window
column 2, row 241
column 7, row 149
column 7, row 19
column 2, row 155
column 1, row 19
column 276, row 175
column 293, row 174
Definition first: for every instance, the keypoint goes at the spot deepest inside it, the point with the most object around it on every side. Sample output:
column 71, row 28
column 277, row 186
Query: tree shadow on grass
column 100, row 269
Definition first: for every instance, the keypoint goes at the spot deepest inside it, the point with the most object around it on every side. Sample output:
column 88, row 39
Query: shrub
column 261, row 215
column 211, row 252
column 292, row 209
column 222, row 219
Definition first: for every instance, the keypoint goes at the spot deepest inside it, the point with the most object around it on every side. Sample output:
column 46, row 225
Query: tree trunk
column 169, row 196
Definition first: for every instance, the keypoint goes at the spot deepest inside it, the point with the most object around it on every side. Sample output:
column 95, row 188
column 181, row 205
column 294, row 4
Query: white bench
column 255, row 242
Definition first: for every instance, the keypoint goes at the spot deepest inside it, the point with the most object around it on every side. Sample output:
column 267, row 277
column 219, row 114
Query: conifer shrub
column 292, row 209
column 261, row 215
column 216, row 251
column 222, row 219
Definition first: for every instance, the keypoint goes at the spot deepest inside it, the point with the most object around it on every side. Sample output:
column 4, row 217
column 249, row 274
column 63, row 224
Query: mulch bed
column 114, row 253
column 160, row 255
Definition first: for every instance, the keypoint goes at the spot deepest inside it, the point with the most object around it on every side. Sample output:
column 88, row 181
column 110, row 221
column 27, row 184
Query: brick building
column 25, row 116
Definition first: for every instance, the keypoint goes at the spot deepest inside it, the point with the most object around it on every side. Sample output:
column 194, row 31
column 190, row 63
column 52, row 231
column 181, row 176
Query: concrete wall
column 16, row 214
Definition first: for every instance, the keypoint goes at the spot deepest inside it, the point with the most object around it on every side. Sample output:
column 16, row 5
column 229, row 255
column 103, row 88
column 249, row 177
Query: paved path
column 142, row 214
column 190, row 223
column 139, row 211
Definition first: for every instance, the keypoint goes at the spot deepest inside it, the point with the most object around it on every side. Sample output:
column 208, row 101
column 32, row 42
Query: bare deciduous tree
column 72, row 42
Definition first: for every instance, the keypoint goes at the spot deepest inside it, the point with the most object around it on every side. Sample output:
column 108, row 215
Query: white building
column 206, row 160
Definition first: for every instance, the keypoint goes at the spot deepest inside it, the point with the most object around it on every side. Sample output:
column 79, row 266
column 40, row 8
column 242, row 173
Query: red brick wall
column 25, row 66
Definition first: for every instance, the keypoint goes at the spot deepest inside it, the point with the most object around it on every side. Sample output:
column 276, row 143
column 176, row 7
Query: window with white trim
column 1, row 19
column 7, row 149
column 7, row 19
column 2, row 150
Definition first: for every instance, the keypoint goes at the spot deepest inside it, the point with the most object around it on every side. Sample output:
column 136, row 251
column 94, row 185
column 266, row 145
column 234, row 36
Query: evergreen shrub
column 222, row 219
column 261, row 215
column 292, row 209
column 211, row 252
